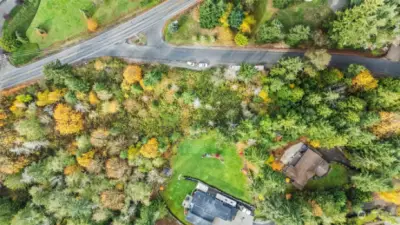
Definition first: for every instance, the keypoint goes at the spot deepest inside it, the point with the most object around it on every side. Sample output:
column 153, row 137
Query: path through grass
column 188, row 161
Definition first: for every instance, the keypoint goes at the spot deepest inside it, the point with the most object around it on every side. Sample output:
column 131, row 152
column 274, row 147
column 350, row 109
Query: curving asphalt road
column 112, row 43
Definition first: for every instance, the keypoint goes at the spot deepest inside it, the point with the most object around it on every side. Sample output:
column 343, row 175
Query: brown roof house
column 303, row 163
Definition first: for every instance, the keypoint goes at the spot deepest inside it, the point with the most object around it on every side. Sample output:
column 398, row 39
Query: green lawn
column 312, row 14
column 337, row 177
column 62, row 19
column 188, row 28
column 188, row 161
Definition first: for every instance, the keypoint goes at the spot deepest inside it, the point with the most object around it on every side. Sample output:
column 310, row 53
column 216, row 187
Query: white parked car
column 203, row 65
column 191, row 63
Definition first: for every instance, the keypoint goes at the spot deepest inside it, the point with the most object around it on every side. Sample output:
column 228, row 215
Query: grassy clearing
column 337, row 177
column 63, row 19
column 188, row 28
column 312, row 14
column 188, row 161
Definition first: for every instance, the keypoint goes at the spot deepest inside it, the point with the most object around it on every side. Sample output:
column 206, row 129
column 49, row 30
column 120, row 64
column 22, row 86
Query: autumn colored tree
column 116, row 168
column 110, row 107
column 112, row 199
column 85, row 160
column 132, row 74
column 93, row 100
column 67, row 120
column 364, row 81
column 247, row 23
column 48, row 97
column 92, row 24
column 150, row 149
column 389, row 125
column 99, row 137
column 98, row 65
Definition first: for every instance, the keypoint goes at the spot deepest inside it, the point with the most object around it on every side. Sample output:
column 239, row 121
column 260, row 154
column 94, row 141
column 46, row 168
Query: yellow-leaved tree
column 132, row 74
column 99, row 65
column 67, row 120
column 389, row 124
column 392, row 196
column 47, row 98
column 247, row 23
column 85, row 160
column 150, row 149
column 93, row 100
column 364, row 81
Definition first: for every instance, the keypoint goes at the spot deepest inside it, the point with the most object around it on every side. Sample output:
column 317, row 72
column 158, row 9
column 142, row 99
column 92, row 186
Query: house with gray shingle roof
column 209, row 206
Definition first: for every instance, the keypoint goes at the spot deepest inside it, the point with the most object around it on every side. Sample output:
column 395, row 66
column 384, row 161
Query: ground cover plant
column 108, row 142
column 288, row 24
column 37, row 25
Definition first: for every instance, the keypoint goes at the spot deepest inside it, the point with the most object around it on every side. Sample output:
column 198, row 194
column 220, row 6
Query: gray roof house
column 209, row 206
column 303, row 163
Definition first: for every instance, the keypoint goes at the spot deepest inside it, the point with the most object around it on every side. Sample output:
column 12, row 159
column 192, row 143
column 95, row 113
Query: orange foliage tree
column 390, row 124
column 132, row 74
column 67, row 120
column 92, row 24
column 364, row 81
column 150, row 149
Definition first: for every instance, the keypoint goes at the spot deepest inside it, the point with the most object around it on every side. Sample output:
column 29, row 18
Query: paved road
column 112, row 43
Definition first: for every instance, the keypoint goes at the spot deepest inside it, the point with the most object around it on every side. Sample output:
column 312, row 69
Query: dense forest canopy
column 90, row 144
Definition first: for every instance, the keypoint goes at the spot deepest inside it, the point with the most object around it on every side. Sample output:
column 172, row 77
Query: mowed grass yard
column 63, row 19
column 312, row 14
column 188, row 161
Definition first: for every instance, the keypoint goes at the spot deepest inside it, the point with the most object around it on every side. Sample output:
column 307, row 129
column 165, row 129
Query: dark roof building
column 208, row 206
column 302, row 163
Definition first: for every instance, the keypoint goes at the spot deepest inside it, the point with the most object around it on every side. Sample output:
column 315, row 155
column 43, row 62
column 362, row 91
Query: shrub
column 241, row 39
column 270, row 32
column 298, row 34
column 9, row 43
